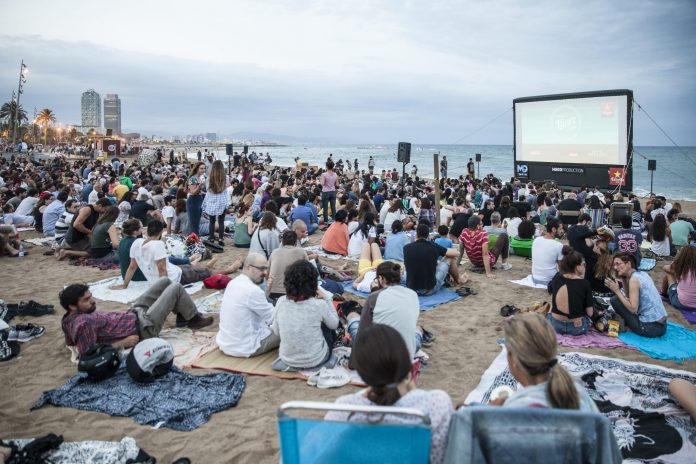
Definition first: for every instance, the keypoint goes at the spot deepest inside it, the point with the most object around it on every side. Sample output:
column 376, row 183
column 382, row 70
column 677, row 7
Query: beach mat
column 677, row 344
column 426, row 302
column 316, row 249
column 688, row 315
column 648, row 425
column 188, row 345
column 592, row 339
column 47, row 241
column 528, row 282
column 259, row 365
column 101, row 291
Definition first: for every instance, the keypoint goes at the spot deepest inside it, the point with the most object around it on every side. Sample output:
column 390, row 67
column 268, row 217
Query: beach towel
column 101, row 291
column 677, row 344
column 647, row 423
column 427, row 302
column 316, row 249
column 188, row 345
column 25, row 229
column 689, row 315
column 592, row 339
column 262, row 365
column 91, row 262
column 90, row 451
column 177, row 400
column 45, row 241
column 528, row 282
column 647, row 264
column 209, row 304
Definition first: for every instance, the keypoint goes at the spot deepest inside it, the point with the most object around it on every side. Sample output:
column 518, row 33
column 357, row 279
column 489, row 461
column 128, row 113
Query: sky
column 351, row 71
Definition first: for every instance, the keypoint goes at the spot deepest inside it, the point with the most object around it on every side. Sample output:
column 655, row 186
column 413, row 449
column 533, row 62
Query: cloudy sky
column 351, row 71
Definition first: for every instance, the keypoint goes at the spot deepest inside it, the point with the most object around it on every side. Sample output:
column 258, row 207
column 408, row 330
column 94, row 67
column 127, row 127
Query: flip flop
column 509, row 310
column 465, row 291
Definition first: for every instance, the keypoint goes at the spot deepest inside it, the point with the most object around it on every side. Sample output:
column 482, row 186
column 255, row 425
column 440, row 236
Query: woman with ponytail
column 532, row 352
column 384, row 363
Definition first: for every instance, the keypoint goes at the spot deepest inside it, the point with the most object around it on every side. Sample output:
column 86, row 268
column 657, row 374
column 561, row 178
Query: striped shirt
column 473, row 241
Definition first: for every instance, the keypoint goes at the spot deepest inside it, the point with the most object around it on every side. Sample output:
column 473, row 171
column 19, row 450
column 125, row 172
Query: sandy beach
column 467, row 333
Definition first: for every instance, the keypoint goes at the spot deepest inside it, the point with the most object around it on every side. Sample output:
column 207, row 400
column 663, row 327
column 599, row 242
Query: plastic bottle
column 21, row 250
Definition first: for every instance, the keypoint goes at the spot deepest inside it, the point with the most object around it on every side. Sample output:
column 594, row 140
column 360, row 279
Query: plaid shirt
column 427, row 215
column 215, row 204
column 88, row 329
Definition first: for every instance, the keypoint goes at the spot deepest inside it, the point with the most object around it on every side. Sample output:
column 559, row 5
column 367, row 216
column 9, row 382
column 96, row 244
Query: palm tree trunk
column 45, row 134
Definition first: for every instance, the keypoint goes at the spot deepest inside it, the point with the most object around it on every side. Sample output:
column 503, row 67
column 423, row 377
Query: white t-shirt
column 168, row 212
column 147, row 256
column 545, row 255
column 357, row 239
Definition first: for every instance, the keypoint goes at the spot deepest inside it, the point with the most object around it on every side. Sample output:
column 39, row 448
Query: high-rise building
column 91, row 110
column 112, row 113
column 211, row 136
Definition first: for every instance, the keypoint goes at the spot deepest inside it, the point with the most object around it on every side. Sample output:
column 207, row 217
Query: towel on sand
column 528, row 282
column 122, row 451
column 592, row 339
column 177, row 400
column 677, row 344
column 101, row 291
column 427, row 302
column 689, row 315
column 316, row 249
column 209, row 304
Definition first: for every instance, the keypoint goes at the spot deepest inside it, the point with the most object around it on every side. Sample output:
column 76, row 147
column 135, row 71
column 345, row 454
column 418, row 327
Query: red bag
column 218, row 281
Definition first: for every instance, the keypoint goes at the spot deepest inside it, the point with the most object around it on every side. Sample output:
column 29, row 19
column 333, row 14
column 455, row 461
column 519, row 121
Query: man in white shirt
column 245, row 313
column 546, row 253
column 150, row 256
column 169, row 213
column 26, row 206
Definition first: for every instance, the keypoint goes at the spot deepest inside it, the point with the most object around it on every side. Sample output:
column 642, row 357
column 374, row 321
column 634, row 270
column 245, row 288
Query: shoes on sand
column 24, row 332
column 506, row 266
column 329, row 378
column 32, row 308
column 199, row 321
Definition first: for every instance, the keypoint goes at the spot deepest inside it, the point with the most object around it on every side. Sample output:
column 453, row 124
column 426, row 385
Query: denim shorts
column 569, row 327
column 674, row 298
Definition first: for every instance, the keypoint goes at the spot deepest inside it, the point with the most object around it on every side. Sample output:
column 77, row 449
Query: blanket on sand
column 689, row 315
column 427, row 302
column 528, row 282
column 209, row 304
column 647, row 423
column 592, row 339
column 119, row 452
column 188, row 345
column 177, row 400
column 101, row 291
column 677, row 344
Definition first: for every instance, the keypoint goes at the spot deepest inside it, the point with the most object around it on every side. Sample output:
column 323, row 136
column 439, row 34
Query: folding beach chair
column 486, row 434
column 311, row 440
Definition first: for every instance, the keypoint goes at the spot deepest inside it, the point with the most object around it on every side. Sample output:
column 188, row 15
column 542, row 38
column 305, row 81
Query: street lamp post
column 22, row 81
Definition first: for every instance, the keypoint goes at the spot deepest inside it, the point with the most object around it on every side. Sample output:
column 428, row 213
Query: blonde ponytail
column 531, row 341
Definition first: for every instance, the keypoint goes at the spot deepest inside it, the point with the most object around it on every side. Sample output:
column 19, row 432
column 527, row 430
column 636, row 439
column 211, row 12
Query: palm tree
column 46, row 117
column 7, row 112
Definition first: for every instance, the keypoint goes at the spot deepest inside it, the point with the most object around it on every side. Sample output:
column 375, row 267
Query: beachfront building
column 112, row 113
column 91, row 110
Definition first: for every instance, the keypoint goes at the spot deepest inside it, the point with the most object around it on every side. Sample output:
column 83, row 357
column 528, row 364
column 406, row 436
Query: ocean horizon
column 674, row 178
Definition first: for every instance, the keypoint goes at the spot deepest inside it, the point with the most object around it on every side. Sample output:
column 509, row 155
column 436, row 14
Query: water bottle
column 21, row 250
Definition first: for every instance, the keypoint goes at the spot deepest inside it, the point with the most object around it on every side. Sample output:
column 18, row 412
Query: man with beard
column 84, row 326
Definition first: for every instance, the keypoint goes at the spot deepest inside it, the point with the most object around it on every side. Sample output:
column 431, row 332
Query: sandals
column 509, row 310
column 465, row 291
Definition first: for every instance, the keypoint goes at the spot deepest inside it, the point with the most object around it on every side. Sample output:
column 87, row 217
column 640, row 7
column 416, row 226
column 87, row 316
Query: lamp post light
column 23, row 71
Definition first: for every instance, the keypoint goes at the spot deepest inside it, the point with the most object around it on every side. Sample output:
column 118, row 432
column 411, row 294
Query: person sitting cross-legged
column 245, row 313
column 679, row 282
column 85, row 327
column 305, row 214
column 475, row 241
column 641, row 306
column 305, row 319
column 546, row 253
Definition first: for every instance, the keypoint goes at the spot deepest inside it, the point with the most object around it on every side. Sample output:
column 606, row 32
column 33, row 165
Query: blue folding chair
column 311, row 440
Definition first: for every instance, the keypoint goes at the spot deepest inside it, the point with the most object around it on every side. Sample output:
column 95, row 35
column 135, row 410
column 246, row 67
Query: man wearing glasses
column 246, row 314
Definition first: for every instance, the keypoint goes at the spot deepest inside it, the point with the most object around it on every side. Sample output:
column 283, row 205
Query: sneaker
column 7, row 311
column 506, row 266
column 180, row 321
column 199, row 321
column 427, row 338
column 24, row 333
column 333, row 378
column 314, row 377
column 34, row 309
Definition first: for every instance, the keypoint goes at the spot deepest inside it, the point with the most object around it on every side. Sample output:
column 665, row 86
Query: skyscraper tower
column 91, row 109
column 112, row 113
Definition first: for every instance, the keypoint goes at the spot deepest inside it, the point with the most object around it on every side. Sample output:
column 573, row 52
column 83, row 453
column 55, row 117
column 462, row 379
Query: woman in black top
column 572, row 302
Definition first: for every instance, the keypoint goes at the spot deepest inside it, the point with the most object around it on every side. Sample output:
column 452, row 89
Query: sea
column 675, row 177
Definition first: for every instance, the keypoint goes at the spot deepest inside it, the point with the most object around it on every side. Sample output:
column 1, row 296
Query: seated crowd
column 283, row 296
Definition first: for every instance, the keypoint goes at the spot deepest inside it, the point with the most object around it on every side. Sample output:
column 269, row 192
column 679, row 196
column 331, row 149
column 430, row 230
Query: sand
column 467, row 342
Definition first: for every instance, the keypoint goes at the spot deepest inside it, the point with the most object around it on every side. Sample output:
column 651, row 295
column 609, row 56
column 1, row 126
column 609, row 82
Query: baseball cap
column 44, row 194
column 149, row 359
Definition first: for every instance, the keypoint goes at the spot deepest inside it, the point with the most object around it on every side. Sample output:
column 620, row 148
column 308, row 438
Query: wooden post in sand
column 436, row 171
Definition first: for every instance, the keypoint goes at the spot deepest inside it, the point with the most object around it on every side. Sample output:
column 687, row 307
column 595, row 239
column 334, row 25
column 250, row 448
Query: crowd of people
column 283, row 295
